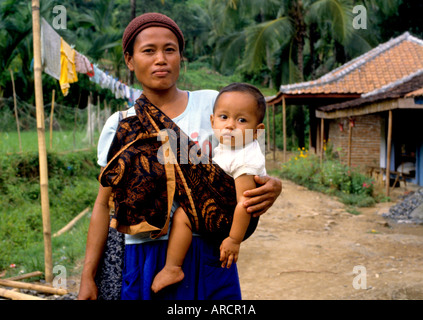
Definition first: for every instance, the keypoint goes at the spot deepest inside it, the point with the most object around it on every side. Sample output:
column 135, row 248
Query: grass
column 62, row 141
column 349, row 185
column 72, row 188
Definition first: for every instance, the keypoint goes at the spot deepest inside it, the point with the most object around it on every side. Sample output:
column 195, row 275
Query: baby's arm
column 229, row 248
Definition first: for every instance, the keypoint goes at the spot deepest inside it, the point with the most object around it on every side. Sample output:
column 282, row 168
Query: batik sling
column 152, row 162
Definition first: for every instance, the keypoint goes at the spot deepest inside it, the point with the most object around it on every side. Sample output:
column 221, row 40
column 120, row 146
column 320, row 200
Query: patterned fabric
column 109, row 273
column 144, row 189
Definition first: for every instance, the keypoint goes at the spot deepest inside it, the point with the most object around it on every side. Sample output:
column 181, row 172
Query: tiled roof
column 388, row 63
column 412, row 85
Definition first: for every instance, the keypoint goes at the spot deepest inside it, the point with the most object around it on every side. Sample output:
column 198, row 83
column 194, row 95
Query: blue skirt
column 204, row 278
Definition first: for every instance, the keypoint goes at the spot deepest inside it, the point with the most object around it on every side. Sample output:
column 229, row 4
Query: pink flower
column 12, row 265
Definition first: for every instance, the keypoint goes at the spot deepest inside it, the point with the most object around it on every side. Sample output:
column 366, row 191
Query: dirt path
column 306, row 247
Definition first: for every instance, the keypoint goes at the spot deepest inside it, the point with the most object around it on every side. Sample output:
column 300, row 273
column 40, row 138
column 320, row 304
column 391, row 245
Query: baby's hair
column 247, row 88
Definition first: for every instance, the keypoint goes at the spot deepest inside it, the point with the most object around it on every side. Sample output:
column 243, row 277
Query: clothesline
column 63, row 62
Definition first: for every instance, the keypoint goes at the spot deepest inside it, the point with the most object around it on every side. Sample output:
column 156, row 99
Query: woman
column 153, row 46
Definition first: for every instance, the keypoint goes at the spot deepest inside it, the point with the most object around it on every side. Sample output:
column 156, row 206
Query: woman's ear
column 129, row 61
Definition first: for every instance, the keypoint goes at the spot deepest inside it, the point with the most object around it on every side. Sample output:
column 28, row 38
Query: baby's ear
column 259, row 130
column 211, row 120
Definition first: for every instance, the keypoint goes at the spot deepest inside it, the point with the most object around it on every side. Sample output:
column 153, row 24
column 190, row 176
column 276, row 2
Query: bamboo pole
column 26, row 276
column 71, row 223
column 274, row 133
column 284, row 127
column 388, row 154
column 32, row 286
column 16, row 110
column 51, row 119
column 9, row 294
column 42, row 154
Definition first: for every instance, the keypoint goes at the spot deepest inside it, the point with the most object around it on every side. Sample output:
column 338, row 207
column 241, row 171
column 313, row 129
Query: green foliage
column 332, row 177
column 72, row 186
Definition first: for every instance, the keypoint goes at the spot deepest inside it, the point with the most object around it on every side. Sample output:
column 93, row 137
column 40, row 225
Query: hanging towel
column 67, row 67
column 96, row 75
column 82, row 65
column 50, row 50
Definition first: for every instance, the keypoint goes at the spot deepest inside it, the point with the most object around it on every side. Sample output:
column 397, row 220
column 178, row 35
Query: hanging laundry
column 50, row 50
column 96, row 74
column 82, row 64
column 91, row 73
column 67, row 67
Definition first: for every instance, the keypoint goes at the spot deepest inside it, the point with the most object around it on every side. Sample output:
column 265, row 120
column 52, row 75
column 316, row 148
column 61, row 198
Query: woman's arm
column 262, row 197
column 96, row 239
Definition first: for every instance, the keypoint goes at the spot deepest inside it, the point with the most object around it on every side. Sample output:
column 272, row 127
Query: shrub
column 332, row 177
column 72, row 186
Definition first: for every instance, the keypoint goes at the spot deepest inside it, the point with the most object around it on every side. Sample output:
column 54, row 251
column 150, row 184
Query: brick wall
column 366, row 136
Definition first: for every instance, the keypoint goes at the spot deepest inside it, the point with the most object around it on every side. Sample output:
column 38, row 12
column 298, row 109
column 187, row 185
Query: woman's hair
column 250, row 89
column 144, row 21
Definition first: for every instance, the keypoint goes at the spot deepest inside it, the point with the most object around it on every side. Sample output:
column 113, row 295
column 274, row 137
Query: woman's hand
column 88, row 290
column 263, row 197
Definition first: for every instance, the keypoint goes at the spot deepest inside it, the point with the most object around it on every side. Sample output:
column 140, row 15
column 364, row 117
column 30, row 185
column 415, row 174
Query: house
column 369, row 107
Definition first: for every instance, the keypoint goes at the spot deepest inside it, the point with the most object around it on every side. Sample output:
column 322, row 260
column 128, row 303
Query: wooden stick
column 51, row 120
column 274, row 133
column 98, row 114
column 9, row 294
column 322, row 135
column 38, row 86
column 388, row 154
column 26, row 276
column 31, row 286
column 350, row 128
column 71, row 223
column 268, row 129
column 284, row 127
column 16, row 111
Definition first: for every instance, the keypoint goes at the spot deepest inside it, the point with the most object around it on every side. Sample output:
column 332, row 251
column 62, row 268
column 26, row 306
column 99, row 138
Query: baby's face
column 234, row 120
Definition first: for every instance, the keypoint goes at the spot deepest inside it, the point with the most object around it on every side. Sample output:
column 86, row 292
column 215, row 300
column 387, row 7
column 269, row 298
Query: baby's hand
column 229, row 250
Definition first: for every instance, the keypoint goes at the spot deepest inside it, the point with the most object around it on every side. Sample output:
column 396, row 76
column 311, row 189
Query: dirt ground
column 306, row 247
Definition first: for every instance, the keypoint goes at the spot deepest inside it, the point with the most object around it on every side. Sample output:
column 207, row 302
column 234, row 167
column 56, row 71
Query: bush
column 72, row 186
column 331, row 177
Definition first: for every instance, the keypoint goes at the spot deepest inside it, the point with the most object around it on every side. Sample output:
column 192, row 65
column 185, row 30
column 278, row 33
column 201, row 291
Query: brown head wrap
column 147, row 20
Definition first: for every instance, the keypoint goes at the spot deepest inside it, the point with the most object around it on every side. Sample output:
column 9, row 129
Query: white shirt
column 236, row 162
column 194, row 121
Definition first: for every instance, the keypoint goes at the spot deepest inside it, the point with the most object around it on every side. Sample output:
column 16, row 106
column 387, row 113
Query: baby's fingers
column 230, row 260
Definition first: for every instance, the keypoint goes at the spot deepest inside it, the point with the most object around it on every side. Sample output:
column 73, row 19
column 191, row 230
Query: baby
column 237, row 115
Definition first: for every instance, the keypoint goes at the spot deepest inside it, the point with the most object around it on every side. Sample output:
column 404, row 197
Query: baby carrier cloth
column 152, row 162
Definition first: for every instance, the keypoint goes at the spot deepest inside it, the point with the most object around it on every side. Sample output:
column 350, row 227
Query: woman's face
column 156, row 59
